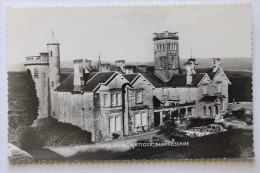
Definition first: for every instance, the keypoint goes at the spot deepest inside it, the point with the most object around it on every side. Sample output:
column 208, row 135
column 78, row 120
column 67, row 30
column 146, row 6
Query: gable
column 220, row 76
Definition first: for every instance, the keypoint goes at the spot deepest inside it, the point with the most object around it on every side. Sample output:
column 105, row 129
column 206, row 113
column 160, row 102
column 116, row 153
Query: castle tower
column 37, row 80
column 53, row 48
column 166, row 54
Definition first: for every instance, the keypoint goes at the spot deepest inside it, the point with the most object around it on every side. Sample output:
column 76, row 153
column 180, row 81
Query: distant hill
column 230, row 64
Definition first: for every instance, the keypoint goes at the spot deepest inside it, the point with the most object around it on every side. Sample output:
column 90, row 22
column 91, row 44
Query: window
column 210, row 111
column 36, row 73
column 169, row 45
column 160, row 46
column 219, row 88
column 164, row 92
column 205, row 89
column 172, row 46
column 204, row 110
column 106, row 100
column 163, row 46
column 114, row 124
column 139, row 96
column 222, row 105
column 118, row 99
column 51, row 53
column 189, row 111
column 113, row 99
column 140, row 119
column 216, row 109
column 144, row 119
column 52, row 84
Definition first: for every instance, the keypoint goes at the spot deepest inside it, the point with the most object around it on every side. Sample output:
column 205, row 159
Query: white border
column 165, row 166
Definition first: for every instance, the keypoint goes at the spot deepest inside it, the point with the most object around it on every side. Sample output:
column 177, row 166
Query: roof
column 154, row 80
column 208, row 98
column 179, row 80
column 130, row 77
column 209, row 71
column 67, row 85
column 96, row 80
column 116, row 68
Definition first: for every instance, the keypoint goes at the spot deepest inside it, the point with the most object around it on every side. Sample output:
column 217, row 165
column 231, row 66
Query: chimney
column 78, row 74
column 129, row 69
column 216, row 64
column 105, row 67
column 189, row 68
column 143, row 68
column 120, row 63
column 87, row 65
column 194, row 65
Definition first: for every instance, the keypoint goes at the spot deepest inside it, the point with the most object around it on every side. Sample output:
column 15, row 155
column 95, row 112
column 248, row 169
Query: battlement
column 165, row 35
column 37, row 60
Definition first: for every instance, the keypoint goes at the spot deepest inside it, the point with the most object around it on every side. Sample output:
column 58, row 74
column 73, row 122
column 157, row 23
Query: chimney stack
column 78, row 74
column 120, row 63
column 194, row 65
column 143, row 68
column 129, row 69
column 216, row 64
column 105, row 67
column 189, row 68
column 87, row 65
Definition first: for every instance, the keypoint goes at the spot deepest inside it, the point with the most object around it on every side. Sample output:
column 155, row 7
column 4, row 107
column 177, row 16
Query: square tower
column 166, row 54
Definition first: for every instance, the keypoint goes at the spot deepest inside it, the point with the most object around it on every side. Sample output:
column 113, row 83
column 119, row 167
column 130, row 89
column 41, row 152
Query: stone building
column 117, row 100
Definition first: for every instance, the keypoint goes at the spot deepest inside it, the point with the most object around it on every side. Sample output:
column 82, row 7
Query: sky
column 126, row 32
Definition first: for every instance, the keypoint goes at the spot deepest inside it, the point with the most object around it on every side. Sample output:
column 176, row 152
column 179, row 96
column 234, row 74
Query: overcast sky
column 126, row 32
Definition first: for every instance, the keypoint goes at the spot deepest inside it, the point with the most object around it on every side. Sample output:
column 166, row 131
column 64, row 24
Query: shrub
column 200, row 122
column 115, row 135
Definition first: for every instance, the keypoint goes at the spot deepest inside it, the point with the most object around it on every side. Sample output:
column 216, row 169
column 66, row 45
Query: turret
column 53, row 48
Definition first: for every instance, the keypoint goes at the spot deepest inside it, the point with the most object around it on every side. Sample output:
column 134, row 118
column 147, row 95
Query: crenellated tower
column 37, row 68
column 166, row 54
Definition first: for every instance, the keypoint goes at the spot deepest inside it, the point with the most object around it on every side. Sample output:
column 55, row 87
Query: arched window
column 204, row 110
column 210, row 111
column 172, row 46
column 36, row 73
column 216, row 109
column 163, row 46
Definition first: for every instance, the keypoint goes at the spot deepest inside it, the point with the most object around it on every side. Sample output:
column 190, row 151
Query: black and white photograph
column 130, row 83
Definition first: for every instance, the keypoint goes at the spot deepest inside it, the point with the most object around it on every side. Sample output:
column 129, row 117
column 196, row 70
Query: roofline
column 205, row 74
column 108, row 80
column 140, row 75
column 223, row 73
column 63, row 81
